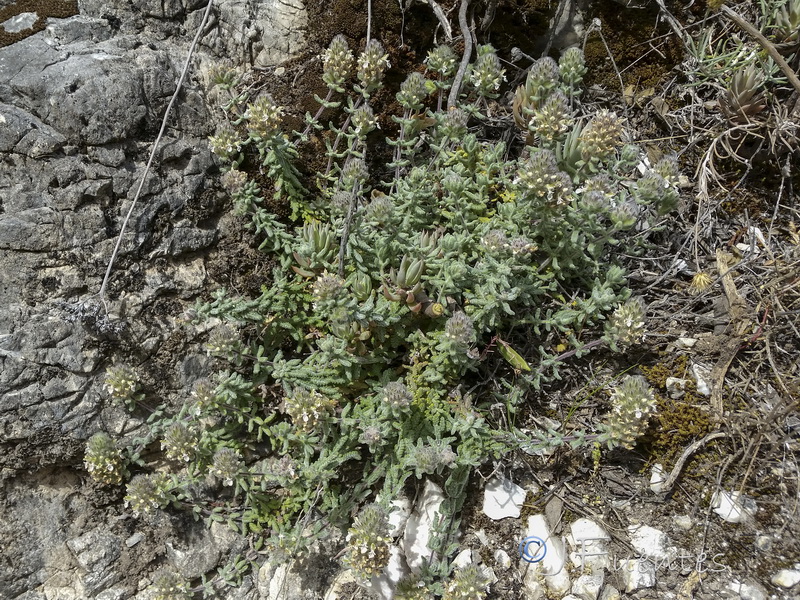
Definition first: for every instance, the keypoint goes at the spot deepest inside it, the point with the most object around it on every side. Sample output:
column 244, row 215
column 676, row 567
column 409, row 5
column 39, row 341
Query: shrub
column 368, row 356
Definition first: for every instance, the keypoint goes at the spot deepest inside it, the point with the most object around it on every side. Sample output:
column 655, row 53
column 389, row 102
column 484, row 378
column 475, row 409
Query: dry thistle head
column 744, row 98
column 700, row 282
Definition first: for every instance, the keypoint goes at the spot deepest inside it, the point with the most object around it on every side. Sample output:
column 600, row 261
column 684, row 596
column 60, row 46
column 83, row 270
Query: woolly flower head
column 551, row 121
column 454, row 123
column 632, row 404
column 487, row 74
column 601, row 137
column 413, row 92
column 368, row 542
column 626, row 325
column 541, row 80
column 541, row 177
column 226, row 465
column 372, row 64
column 460, row 330
column 354, row 173
column 397, row 395
column 168, row 585
column 431, row 458
column 337, row 62
column 308, row 409
column 103, row 460
column 363, row 121
column 121, row 382
column 442, row 60
column 328, row 288
column 264, row 117
column 226, row 144
column 147, row 493
column 468, row 583
column 572, row 68
column 179, row 442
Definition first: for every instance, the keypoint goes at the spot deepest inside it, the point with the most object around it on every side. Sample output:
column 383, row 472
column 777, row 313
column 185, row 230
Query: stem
column 452, row 99
column 328, row 97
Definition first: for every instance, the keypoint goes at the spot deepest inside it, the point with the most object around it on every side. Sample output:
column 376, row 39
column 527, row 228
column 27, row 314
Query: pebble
column 589, row 542
column 786, row 578
column 551, row 565
column 657, row 478
column 733, row 507
column 502, row 498
column 420, row 525
column 651, row 542
column 636, row 574
column 683, row 522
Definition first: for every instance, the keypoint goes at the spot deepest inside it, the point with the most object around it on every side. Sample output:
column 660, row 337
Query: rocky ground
column 705, row 507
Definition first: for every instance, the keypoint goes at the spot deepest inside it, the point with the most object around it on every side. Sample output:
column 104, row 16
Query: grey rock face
column 80, row 105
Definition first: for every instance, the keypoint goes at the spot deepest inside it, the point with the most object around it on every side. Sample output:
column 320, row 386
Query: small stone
column 683, row 522
column 657, row 478
column 610, row 593
column 676, row 387
column 543, row 556
column 587, row 587
column 702, row 376
column 733, row 507
column 502, row 558
column 502, row 498
column 748, row 590
column 279, row 71
column 686, row 342
column 637, row 573
column 589, row 542
column 419, row 527
column 786, row 578
column 20, row 22
column 134, row 539
column 463, row 558
column 651, row 542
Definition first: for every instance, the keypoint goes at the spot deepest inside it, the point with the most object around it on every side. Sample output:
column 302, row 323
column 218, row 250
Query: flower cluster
column 179, row 443
column 227, row 464
column 632, row 404
column 626, row 325
column 103, row 460
column 442, row 60
column 468, row 583
column 121, row 382
column 433, row 457
column 264, row 118
column 308, row 409
column 413, row 92
column 226, row 144
column 168, row 585
column 551, row 121
column 541, row 177
column 487, row 74
column 368, row 543
column 460, row 330
column 396, row 395
column 146, row 493
column 372, row 64
column 337, row 63
column 601, row 138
